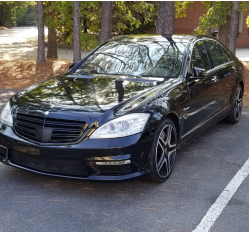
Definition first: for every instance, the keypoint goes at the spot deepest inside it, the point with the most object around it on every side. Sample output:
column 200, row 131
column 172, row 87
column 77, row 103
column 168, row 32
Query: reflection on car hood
column 89, row 93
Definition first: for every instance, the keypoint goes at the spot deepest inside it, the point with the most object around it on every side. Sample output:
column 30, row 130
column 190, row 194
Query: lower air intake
column 115, row 169
column 3, row 152
column 49, row 165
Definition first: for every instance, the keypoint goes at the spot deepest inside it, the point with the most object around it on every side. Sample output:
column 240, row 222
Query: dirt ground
column 21, row 74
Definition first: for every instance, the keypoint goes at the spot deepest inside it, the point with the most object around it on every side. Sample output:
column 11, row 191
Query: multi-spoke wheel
column 235, row 114
column 163, row 153
column 238, row 103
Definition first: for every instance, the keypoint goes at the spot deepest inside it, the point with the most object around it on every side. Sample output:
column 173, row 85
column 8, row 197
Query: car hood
column 85, row 93
column 91, row 94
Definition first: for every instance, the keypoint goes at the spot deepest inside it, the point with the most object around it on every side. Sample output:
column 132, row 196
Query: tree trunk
column 209, row 33
column 2, row 17
column 165, row 20
column 76, row 32
column 234, row 24
column 52, row 39
column 40, row 25
column 223, row 32
column 106, row 22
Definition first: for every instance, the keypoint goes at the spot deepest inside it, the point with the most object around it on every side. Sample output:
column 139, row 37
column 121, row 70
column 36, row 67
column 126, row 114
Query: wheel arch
column 242, row 85
column 174, row 118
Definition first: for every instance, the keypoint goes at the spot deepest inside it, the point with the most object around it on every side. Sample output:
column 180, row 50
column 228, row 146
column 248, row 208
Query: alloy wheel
column 166, row 151
column 238, row 103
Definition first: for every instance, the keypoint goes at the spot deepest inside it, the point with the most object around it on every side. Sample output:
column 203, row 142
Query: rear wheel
column 163, row 152
column 235, row 114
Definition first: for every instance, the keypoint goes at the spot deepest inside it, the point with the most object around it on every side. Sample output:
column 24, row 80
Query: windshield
column 136, row 58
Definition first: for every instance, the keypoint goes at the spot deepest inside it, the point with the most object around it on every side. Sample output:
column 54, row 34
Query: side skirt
column 203, row 126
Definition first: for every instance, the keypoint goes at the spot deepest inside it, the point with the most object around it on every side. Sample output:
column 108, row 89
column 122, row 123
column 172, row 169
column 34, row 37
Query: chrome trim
column 121, row 162
column 200, row 109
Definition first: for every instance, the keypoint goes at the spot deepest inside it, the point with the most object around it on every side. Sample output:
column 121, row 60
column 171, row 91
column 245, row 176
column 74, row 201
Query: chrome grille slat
column 62, row 130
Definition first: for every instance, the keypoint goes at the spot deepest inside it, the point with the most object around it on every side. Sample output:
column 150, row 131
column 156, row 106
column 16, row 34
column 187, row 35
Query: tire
column 235, row 114
column 163, row 152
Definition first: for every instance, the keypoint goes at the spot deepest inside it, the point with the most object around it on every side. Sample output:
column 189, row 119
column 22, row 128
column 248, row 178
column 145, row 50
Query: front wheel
column 163, row 152
column 236, row 110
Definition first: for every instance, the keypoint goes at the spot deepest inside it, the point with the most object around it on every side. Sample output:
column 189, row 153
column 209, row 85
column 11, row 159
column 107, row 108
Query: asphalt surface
column 32, row 202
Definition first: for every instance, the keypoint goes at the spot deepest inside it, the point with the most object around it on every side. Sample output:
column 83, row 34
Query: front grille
column 115, row 169
column 49, row 165
column 45, row 129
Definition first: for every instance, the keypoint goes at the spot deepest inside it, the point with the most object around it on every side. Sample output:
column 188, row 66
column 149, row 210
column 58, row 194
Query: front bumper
column 80, row 160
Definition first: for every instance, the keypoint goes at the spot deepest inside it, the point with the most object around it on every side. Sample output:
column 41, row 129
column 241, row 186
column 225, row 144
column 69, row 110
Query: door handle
column 214, row 79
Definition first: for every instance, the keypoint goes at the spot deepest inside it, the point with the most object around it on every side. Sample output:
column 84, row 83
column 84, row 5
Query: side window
column 199, row 58
column 217, row 54
column 227, row 58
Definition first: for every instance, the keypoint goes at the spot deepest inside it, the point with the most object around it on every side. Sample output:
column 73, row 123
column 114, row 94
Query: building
column 186, row 25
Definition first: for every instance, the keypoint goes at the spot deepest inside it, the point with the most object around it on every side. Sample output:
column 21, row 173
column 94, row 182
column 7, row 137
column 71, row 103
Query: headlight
column 120, row 127
column 6, row 116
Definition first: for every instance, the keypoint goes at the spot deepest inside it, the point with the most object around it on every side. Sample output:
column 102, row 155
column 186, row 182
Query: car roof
column 158, row 37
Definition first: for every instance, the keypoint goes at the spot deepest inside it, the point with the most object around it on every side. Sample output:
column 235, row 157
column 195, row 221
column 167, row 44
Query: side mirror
column 199, row 72
column 72, row 65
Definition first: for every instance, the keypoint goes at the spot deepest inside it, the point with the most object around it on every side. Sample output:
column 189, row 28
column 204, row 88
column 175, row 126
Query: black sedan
column 124, row 110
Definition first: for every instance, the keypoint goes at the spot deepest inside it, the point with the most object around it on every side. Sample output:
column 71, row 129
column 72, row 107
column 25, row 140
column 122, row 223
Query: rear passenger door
column 225, row 69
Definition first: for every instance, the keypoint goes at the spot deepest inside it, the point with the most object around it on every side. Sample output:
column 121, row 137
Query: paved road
column 20, row 43
column 32, row 202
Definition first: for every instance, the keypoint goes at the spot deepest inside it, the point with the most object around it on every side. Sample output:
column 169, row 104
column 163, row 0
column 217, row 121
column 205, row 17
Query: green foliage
column 11, row 10
column 88, row 41
column 180, row 8
column 27, row 17
column 217, row 14
column 133, row 16
column 247, row 21
column 128, row 17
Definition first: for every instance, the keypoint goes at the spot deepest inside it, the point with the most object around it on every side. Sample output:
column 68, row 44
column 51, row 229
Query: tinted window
column 216, row 52
column 199, row 57
column 226, row 55
column 136, row 57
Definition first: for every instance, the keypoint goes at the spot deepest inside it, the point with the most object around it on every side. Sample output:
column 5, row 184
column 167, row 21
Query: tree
column 106, row 22
column 219, row 15
column 52, row 38
column 76, row 32
column 40, row 25
column 2, row 14
column 10, row 10
column 234, row 26
column 165, row 21
column 27, row 17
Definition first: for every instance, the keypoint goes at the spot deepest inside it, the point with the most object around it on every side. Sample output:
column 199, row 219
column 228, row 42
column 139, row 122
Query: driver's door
column 202, row 90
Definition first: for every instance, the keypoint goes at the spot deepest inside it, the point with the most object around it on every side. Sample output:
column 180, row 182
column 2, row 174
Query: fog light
column 114, row 162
